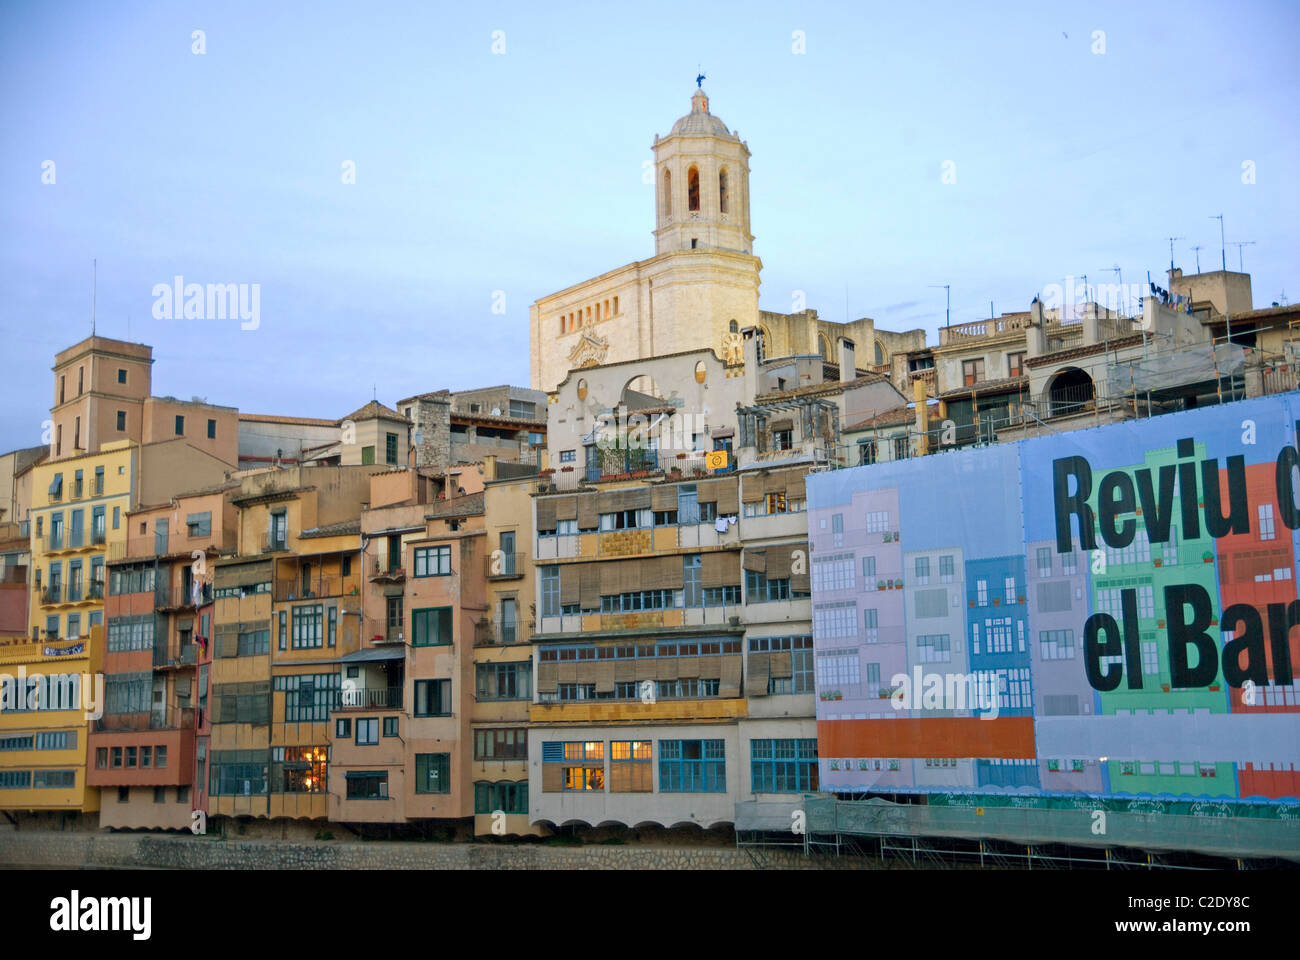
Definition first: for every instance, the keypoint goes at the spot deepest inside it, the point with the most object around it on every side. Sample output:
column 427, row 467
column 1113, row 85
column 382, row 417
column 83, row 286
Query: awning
column 56, row 485
column 358, row 774
column 375, row 653
column 720, row 433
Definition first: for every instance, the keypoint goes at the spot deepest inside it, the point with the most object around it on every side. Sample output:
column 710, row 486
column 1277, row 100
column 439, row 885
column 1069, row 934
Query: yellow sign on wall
column 716, row 460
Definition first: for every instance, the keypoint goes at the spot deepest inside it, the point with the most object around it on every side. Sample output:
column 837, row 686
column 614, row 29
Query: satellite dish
column 496, row 411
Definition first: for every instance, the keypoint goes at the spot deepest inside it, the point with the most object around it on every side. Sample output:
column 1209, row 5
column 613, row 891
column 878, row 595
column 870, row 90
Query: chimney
column 848, row 367
column 1036, row 335
column 750, row 337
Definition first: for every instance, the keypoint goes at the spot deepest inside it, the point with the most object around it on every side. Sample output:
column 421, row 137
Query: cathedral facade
column 700, row 289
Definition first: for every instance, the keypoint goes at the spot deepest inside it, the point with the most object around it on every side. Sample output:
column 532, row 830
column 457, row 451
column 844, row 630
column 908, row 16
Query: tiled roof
column 986, row 386
column 890, row 418
column 300, row 421
column 375, row 410
column 341, row 529
column 815, row 389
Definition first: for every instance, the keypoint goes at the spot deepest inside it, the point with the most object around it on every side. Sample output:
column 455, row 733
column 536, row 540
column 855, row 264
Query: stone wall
column 71, row 850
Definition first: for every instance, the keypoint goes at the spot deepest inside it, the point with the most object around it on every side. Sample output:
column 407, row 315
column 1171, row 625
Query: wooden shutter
column 546, row 513
column 755, row 560
column 625, row 670
column 729, row 683
column 588, row 514
column 670, row 573
column 794, row 486
column 567, row 672
column 570, row 574
column 802, row 581
column 754, row 488
column 778, row 562
column 688, row 667
column 756, row 678
column 779, row 664
column 552, row 777
column 610, row 582
column 707, row 492
column 774, row 483
column 588, row 587
column 728, row 496
column 646, row 669
column 710, row 668
column 604, row 676
column 663, row 496
column 548, row 675
column 666, row 668
column 566, row 508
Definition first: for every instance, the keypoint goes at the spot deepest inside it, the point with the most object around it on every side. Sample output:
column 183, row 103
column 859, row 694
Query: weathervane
column 699, row 81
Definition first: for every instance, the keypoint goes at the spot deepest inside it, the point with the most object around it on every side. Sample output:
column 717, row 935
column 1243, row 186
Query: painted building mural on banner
column 1110, row 611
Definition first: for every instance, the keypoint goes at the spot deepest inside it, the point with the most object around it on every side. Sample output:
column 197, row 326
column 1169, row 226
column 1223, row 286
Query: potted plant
column 880, row 584
column 1207, row 556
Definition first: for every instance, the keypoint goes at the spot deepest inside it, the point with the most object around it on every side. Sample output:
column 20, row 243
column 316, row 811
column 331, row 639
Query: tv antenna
column 1171, row 252
column 1198, row 248
column 947, row 301
column 1120, row 275
column 94, row 289
column 1223, row 247
column 1239, row 244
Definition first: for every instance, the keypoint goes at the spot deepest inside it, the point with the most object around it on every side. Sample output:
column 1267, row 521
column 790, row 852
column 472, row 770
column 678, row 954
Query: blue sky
column 522, row 172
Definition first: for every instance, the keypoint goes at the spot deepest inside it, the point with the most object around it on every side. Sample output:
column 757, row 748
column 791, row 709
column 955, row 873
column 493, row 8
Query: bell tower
column 701, row 185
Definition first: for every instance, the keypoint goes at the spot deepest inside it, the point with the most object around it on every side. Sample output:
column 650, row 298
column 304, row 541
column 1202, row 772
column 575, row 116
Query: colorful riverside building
column 48, row 690
column 145, row 749
column 399, row 744
column 286, row 609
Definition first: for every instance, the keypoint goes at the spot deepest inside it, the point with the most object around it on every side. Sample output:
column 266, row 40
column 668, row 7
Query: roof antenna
column 1198, row 248
column 1239, row 244
column 94, row 287
column 1223, row 247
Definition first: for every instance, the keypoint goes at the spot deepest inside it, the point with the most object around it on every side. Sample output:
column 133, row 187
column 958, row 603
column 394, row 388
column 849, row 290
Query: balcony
column 277, row 544
column 97, row 488
column 387, row 573
column 175, row 654
column 98, row 538
column 74, row 593
column 296, row 588
column 504, row 566
column 488, row 633
column 95, row 591
column 372, row 698
column 171, row 718
column 52, row 594
column 77, row 489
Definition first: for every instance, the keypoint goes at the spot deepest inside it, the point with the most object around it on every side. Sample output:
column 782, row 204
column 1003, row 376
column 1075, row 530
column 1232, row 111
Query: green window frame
column 431, row 627
column 432, row 561
column 433, row 773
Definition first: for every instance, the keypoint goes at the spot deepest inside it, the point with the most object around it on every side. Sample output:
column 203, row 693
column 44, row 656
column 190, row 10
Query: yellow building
column 49, row 693
column 78, row 520
column 79, row 507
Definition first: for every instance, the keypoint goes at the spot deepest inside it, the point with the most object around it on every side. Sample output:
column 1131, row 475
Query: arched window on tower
column 733, row 327
column 722, row 190
column 880, row 354
column 668, row 194
column 693, row 189
column 823, row 346
column 760, row 341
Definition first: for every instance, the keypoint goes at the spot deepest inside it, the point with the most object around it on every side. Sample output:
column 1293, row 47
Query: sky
column 498, row 151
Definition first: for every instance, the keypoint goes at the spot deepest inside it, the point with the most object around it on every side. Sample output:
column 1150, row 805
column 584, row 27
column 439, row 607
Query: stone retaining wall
column 72, row 850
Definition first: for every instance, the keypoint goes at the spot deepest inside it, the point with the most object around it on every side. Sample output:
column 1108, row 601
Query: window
column 212, row 429
column 869, row 573
column 159, row 794
column 972, row 372
column 390, row 726
column 782, row 440
column 432, row 561
column 433, row 773
column 307, row 631
column 505, row 796
column 692, row 590
column 1044, row 561
column 367, row 458
column 1056, row 644
column 183, row 794
column 367, row 784
column 309, row 697
column 578, row 765
column 631, row 767
column 550, row 590
column 367, row 731
column 693, row 189
column 433, row 698
column 922, row 571
column 146, row 756
column 900, row 447
column 866, row 452
column 431, row 627
column 982, row 592
column 117, row 516
column 783, row 766
column 390, row 449
column 1009, row 590
column 121, row 421
column 160, row 756
column 180, row 426
column 692, row 766
column 526, row 409
column 568, row 456
column 1016, row 364
column 504, row 681
column 871, row 626
column 501, row 744
column 121, row 375
column 199, row 524
column 878, row 521
column 835, row 620
column 342, row 728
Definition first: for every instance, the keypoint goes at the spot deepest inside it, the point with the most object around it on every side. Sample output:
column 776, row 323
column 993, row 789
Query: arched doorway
column 1070, row 391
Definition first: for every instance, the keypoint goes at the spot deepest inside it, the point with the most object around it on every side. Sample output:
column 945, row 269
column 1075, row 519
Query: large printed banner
column 1109, row 611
